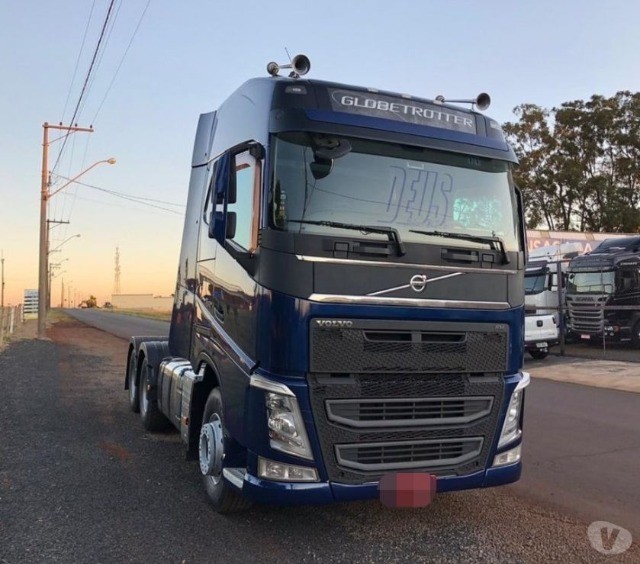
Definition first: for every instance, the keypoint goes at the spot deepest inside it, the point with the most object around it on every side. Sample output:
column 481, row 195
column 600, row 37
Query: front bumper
column 282, row 493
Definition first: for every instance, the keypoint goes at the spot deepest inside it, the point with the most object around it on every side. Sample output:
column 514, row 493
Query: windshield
column 385, row 184
column 590, row 282
column 534, row 284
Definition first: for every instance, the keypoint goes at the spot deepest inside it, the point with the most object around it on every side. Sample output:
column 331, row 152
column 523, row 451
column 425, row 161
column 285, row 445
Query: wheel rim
column 211, row 449
column 133, row 388
column 144, row 398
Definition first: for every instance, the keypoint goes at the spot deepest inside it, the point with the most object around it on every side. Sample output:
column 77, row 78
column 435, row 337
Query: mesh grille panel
column 432, row 347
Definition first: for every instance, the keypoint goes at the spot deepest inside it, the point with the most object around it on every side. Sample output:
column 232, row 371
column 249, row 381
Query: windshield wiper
column 390, row 232
column 495, row 242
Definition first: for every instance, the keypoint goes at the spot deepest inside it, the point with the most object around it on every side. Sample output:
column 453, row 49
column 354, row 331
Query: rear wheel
column 213, row 442
column 539, row 354
column 152, row 417
column 134, row 388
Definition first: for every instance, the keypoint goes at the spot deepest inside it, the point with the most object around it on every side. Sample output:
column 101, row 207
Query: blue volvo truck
column 349, row 300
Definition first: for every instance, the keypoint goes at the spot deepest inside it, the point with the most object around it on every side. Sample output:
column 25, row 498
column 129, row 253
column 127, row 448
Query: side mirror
column 232, row 190
column 212, row 222
column 320, row 168
column 231, row 225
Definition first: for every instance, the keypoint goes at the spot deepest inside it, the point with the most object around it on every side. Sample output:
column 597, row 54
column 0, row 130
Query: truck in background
column 543, row 295
column 349, row 300
column 603, row 292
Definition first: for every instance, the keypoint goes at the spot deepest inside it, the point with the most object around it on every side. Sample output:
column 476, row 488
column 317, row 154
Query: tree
column 92, row 301
column 580, row 163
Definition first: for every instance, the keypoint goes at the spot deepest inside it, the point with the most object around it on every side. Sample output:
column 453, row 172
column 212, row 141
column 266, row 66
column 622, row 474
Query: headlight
column 286, row 427
column 511, row 427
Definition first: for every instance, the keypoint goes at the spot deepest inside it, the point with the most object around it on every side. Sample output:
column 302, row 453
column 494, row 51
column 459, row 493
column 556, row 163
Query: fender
column 134, row 349
column 154, row 351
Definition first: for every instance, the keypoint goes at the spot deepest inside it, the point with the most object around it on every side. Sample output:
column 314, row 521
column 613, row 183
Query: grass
column 147, row 313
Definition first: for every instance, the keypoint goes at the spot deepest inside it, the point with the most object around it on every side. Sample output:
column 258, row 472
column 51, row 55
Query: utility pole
column 49, row 228
column 43, row 290
column 116, row 280
column 2, row 300
column 62, row 295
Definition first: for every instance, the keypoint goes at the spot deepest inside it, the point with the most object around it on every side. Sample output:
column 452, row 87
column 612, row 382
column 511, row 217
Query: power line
column 86, row 80
column 108, row 32
column 138, row 199
column 75, row 70
column 135, row 31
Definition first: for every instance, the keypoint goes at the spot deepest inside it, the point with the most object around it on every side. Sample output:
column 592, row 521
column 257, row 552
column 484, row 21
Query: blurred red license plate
column 407, row 489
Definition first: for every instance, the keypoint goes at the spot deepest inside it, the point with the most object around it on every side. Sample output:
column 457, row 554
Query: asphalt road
column 81, row 481
column 120, row 324
column 582, row 451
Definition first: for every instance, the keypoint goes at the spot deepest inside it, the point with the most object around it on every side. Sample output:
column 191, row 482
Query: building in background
column 142, row 301
column 30, row 305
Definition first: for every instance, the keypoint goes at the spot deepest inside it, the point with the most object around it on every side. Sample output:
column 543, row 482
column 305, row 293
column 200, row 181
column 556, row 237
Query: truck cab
column 603, row 292
column 349, row 298
column 544, row 294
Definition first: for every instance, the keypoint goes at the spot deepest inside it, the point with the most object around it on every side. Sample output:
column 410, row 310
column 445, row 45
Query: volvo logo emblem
column 330, row 323
column 418, row 282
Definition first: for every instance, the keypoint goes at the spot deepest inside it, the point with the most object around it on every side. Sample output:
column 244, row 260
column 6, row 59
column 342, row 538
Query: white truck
column 542, row 322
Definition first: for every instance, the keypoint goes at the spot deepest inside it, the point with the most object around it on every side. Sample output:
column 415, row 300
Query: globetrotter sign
column 401, row 109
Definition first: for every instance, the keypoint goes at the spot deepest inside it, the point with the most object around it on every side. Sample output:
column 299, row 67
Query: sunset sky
column 187, row 57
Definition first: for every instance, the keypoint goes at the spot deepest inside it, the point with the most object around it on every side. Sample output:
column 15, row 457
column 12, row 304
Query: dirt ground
column 81, row 481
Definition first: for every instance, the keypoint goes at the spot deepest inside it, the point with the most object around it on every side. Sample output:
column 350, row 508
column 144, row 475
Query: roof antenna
column 288, row 54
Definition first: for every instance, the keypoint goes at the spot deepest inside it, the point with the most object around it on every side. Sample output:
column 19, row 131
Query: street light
column 52, row 267
column 63, row 242
column 45, row 196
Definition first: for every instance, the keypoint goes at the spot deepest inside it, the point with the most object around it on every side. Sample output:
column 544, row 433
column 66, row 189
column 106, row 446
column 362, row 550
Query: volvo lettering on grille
column 333, row 323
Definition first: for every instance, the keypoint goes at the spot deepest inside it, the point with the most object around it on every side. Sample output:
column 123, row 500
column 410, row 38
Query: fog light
column 510, row 457
column 278, row 471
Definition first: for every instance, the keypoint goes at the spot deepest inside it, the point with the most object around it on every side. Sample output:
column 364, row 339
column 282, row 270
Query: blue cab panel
column 351, row 282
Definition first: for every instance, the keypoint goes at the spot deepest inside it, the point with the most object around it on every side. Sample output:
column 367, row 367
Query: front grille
column 354, row 411
column 408, row 347
column 587, row 318
column 402, row 412
column 406, row 455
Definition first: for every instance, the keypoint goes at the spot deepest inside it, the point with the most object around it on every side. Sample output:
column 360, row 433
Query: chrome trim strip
column 427, row 281
column 270, row 386
column 308, row 258
column 412, row 302
column 235, row 476
column 526, row 380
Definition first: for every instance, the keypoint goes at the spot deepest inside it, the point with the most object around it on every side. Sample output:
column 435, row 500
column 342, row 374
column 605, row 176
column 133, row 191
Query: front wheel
column 539, row 354
column 213, row 442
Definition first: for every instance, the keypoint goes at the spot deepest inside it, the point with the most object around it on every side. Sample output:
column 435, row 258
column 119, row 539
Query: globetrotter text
column 406, row 109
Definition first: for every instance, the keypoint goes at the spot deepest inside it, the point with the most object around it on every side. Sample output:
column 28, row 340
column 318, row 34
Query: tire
column 539, row 354
column 134, row 388
column 223, row 497
column 152, row 418
column 635, row 335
